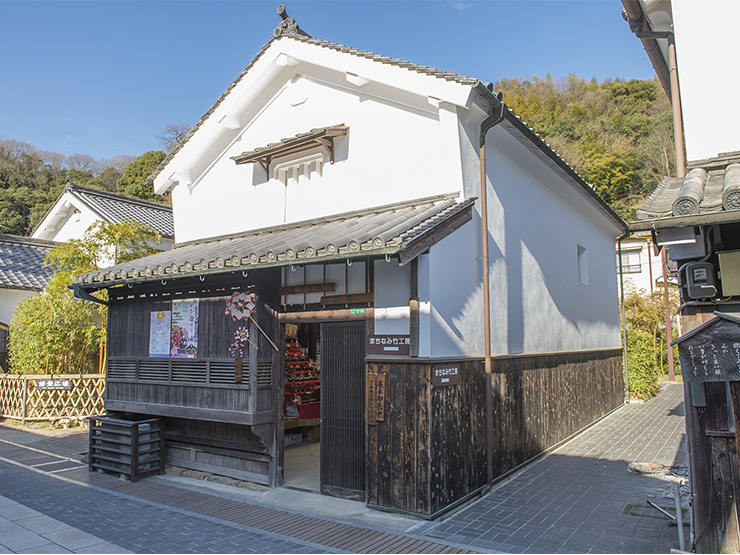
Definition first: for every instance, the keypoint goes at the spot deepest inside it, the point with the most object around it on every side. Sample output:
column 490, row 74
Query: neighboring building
column 327, row 204
column 696, row 216
column 22, row 270
column 641, row 267
column 22, row 275
column 78, row 207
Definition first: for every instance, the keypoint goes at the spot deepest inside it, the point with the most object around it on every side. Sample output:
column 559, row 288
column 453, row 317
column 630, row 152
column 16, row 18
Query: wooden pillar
column 253, row 335
column 414, row 309
column 735, row 402
column 668, row 323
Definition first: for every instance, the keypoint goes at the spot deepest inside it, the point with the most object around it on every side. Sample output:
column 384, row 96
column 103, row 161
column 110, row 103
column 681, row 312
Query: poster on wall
column 159, row 333
column 184, row 334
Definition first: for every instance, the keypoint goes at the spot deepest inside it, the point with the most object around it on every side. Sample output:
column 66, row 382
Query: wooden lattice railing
column 32, row 397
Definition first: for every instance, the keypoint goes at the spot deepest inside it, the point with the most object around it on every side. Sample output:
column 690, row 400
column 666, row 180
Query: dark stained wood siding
column 540, row 400
column 429, row 451
column 206, row 411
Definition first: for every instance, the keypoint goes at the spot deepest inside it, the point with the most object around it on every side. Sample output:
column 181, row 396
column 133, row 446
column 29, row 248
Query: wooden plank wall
column 539, row 400
column 239, row 451
column 714, row 463
column 429, row 450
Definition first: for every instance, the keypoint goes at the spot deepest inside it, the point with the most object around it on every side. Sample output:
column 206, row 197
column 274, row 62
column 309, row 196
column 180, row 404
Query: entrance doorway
column 325, row 408
column 302, row 437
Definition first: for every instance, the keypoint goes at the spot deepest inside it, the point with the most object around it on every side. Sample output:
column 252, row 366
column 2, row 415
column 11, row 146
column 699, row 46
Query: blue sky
column 104, row 77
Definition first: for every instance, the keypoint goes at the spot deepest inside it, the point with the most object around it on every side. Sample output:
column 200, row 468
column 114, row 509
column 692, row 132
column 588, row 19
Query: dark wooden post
column 735, row 401
column 414, row 309
column 135, row 452
column 253, row 335
column 668, row 323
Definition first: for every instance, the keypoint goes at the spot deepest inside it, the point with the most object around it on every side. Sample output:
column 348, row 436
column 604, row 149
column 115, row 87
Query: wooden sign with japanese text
column 372, row 381
column 445, row 374
column 711, row 352
column 380, row 398
column 388, row 344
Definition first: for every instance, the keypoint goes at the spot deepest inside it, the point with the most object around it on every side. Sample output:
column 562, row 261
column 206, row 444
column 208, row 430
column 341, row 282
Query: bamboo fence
column 34, row 397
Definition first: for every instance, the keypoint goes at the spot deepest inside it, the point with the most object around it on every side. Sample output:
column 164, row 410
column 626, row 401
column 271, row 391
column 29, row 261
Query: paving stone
column 572, row 498
column 45, row 548
column 21, row 539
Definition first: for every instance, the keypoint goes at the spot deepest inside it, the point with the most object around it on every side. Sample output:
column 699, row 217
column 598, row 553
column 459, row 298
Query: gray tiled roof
column 710, row 186
column 386, row 230
column 22, row 262
column 116, row 208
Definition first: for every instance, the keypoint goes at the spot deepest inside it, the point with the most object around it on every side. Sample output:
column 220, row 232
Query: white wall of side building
column 640, row 267
column 707, row 53
column 9, row 299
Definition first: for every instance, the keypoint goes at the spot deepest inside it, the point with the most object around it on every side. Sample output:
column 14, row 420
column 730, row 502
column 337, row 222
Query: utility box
column 700, row 280
column 129, row 448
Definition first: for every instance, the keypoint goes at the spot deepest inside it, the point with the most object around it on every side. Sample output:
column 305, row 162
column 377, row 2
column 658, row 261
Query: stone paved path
column 579, row 498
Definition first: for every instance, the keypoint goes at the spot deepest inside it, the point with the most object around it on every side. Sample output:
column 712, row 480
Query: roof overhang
column 651, row 21
column 403, row 231
column 712, row 218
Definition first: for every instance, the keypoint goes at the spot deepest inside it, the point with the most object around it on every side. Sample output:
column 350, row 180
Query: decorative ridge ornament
column 287, row 26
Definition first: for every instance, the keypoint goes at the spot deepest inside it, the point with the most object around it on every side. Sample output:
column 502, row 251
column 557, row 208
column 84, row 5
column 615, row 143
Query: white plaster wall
column 9, row 299
column 74, row 227
column 392, row 291
column 536, row 223
column 707, row 53
column 399, row 147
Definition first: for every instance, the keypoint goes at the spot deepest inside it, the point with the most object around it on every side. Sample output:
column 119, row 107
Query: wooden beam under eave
column 426, row 240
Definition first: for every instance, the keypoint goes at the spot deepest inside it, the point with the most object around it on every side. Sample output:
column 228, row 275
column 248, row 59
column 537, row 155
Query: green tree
column 647, row 344
column 135, row 176
column 55, row 333
column 616, row 134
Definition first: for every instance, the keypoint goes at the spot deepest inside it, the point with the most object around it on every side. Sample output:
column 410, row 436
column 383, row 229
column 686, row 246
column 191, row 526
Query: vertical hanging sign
column 380, row 398
column 372, row 382
column 184, row 334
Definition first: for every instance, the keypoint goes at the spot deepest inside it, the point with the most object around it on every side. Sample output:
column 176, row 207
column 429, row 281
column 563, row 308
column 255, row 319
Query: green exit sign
column 356, row 311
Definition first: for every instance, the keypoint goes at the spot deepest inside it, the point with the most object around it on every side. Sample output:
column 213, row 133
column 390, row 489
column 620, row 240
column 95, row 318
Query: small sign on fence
column 53, row 384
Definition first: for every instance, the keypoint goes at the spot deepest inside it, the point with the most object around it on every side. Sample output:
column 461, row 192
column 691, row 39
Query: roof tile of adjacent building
column 392, row 230
column 710, row 190
column 117, row 208
column 22, row 262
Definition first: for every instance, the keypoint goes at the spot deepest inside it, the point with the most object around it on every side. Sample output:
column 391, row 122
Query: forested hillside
column 617, row 134
column 31, row 180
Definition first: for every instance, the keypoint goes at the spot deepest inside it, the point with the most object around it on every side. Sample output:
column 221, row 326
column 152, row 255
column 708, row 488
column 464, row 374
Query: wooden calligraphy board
column 372, row 381
column 711, row 352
